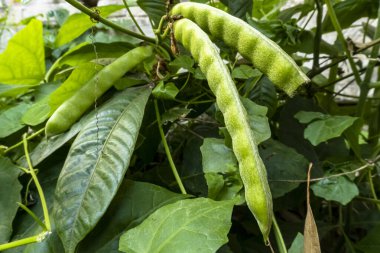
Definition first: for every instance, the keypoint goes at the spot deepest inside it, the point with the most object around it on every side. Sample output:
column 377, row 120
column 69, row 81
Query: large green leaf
column 154, row 8
column 9, row 194
column 339, row 189
column 96, row 164
column 194, row 225
column 78, row 23
column 10, row 119
column 283, row 165
column 325, row 127
column 239, row 8
column 23, row 61
column 264, row 93
column 133, row 203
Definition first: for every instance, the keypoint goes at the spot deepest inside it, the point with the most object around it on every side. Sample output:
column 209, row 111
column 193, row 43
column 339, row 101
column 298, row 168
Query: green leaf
column 307, row 117
column 370, row 243
column 154, row 8
column 265, row 94
column 257, row 120
column 96, row 164
column 339, row 189
column 267, row 8
column 183, row 61
column 23, row 61
column 165, row 91
column 326, row 128
column 239, row 8
column 197, row 225
column 283, row 163
column 8, row 90
column 78, row 23
column 297, row 244
column 245, row 72
column 174, row 114
column 134, row 202
column 10, row 189
column 10, row 119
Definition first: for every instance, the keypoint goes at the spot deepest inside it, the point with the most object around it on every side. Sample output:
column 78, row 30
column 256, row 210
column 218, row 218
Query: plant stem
column 318, row 35
column 30, row 212
column 167, row 151
column 278, row 235
column 342, row 40
column 28, row 240
column 97, row 17
column 21, row 142
column 372, row 187
column 364, row 86
column 376, row 201
column 133, row 17
column 37, row 183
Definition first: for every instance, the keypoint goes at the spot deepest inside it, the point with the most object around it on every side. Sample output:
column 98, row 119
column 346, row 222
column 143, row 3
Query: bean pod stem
column 265, row 54
column 73, row 108
column 251, row 167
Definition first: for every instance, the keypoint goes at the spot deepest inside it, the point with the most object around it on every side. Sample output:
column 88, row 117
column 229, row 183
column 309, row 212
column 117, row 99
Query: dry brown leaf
column 311, row 238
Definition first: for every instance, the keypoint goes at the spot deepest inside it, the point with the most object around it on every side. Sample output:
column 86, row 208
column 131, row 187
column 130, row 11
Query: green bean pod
column 251, row 167
column 265, row 55
column 73, row 108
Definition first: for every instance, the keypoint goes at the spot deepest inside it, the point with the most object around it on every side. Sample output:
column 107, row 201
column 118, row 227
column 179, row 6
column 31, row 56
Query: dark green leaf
column 183, row 61
column 264, row 93
column 339, row 189
column 307, row 117
column 133, row 203
column 197, row 225
column 23, row 61
column 174, row 114
column 96, row 164
column 283, row 165
column 370, row 243
column 297, row 244
column 245, row 72
column 154, row 8
column 9, row 196
column 10, row 119
column 239, row 8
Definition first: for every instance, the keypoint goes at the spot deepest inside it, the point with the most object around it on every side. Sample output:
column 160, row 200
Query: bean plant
column 228, row 126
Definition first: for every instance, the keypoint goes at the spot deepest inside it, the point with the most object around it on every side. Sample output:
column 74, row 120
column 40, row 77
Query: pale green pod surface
column 251, row 167
column 73, row 108
column 265, row 54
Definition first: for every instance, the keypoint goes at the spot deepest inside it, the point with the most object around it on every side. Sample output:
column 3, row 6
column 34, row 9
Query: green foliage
column 112, row 182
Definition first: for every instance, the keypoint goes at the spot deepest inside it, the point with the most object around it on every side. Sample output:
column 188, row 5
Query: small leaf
column 10, row 119
column 165, row 91
column 245, row 72
column 154, row 8
column 257, row 120
column 297, row 244
column 183, row 61
column 339, row 189
column 174, row 114
column 197, row 225
column 10, row 189
column 370, row 243
column 307, row 117
column 23, row 61
column 78, row 23
column 96, row 164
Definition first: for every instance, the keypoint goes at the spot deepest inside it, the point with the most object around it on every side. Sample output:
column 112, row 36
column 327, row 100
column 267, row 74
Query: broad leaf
column 96, row 164
column 197, row 225
column 133, row 203
column 245, row 72
column 339, row 189
column 326, row 128
column 23, row 61
column 264, row 93
column 10, row 119
column 9, row 196
column 78, row 23
column 9, row 90
column 297, row 244
column 284, row 165
column 239, row 8
column 154, row 8
column 165, row 91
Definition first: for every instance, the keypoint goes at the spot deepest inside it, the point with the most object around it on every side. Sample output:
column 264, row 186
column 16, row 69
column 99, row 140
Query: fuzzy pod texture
column 251, row 167
column 73, row 108
column 265, row 54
